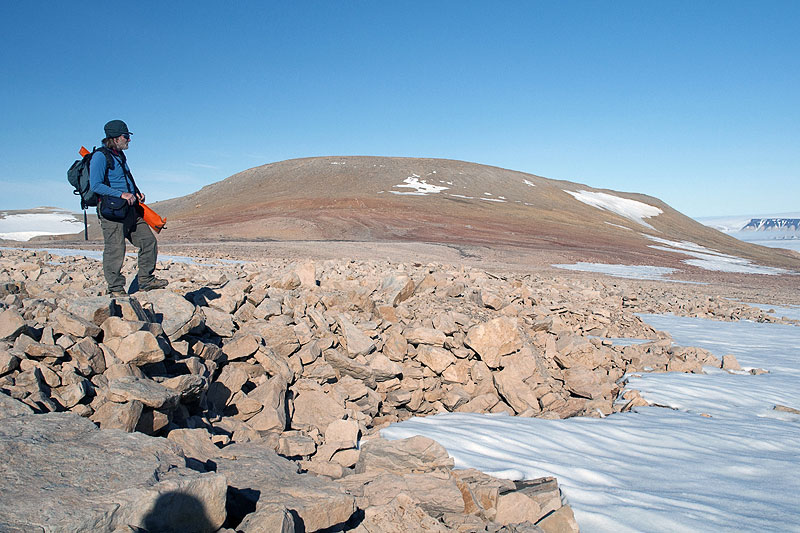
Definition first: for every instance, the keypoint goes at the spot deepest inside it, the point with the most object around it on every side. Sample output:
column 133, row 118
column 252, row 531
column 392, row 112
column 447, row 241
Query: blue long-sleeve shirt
column 118, row 182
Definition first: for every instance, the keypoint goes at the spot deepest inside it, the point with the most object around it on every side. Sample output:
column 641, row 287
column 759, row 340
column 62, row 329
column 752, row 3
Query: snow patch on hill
column 625, row 207
column 708, row 259
column 421, row 187
column 25, row 226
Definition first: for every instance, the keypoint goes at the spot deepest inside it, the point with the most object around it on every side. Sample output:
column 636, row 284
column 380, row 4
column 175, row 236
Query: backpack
column 78, row 176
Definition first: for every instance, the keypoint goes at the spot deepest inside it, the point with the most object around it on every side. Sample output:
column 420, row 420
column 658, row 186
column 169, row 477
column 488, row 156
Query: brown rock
column 315, row 409
column 88, row 353
column 64, row 322
column 729, row 362
column 493, row 339
column 401, row 513
column 582, row 382
column 140, row 348
column 397, row 288
column 414, row 454
column 515, row 507
column 430, row 336
column 560, row 521
column 112, row 415
column 11, row 324
column 436, row 492
column 435, row 358
column 356, row 341
column 241, row 346
column 147, row 391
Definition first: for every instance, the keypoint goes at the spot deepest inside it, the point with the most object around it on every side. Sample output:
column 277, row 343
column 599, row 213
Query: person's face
column 123, row 141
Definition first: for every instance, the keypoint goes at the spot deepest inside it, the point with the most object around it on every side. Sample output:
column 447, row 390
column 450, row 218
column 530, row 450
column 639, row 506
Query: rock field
column 249, row 396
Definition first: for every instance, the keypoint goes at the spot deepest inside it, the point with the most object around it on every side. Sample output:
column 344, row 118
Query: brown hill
column 390, row 199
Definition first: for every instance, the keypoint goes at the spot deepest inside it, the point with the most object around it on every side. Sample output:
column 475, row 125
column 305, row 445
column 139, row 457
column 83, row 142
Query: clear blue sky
column 694, row 102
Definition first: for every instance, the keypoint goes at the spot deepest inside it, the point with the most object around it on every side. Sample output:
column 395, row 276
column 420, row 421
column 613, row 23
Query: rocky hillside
column 374, row 199
column 264, row 377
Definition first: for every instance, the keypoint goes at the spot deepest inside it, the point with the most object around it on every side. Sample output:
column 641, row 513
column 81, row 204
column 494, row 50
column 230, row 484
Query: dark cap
column 115, row 128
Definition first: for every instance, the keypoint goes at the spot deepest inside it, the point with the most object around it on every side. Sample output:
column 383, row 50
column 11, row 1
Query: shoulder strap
column 110, row 157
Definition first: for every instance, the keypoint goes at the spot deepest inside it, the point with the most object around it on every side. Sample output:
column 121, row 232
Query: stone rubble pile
column 237, row 364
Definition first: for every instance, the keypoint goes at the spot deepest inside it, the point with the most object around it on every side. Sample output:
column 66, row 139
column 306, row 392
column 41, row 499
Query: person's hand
column 140, row 196
column 129, row 197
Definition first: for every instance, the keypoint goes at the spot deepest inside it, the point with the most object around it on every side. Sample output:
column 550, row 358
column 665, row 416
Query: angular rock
column 64, row 322
column 10, row 407
column 241, row 346
column 295, row 444
column 176, row 315
column 430, row 336
column 220, row 323
column 147, row 391
column 544, row 491
column 272, row 396
column 8, row 362
column 95, row 309
column 383, row 368
column 188, row 386
column 518, row 394
column 356, row 341
column 82, row 465
column 119, row 327
column 397, row 288
column 582, row 382
column 194, row 443
column 316, row 409
column 271, row 518
column 342, row 432
column 140, row 348
column 436, row 492
column 88, row 353
column 11, row 324
column 400, row 514
column 491, row 340
column 515, row 507
column 350, row 367
column 258, row 473
column 729, row 362
column 414, row 454
column 560, row 521
column 269, row 307
column 435, row 358
column 307, row 272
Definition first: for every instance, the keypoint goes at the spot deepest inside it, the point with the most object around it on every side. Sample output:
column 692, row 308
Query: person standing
column 117, row 182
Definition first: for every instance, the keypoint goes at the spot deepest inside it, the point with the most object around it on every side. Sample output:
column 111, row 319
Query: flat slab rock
column 258, row 474
column 61, row 473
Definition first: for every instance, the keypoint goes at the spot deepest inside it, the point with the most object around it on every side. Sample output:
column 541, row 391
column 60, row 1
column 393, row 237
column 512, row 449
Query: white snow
column 493, row 200
column 618, row 226
column 421, row 187
column 718, row 459
column 24, row 227
column 712, row 260
column 625, row 207
column 623, row 271
column 528, row 183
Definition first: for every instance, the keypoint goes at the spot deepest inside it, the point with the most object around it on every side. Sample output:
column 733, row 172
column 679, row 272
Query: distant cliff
column 772, row 224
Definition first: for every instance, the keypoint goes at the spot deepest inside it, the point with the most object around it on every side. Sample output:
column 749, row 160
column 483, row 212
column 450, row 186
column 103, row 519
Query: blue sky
column 696, row 103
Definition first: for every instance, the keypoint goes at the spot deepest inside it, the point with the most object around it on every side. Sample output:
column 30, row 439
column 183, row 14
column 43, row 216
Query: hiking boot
column 117, row 293
column 157, row 283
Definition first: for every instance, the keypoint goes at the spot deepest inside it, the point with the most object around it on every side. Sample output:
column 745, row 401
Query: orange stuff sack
column 152, row 218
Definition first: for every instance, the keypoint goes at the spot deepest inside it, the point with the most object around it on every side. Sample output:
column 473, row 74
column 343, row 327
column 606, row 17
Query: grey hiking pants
column 140, row 235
